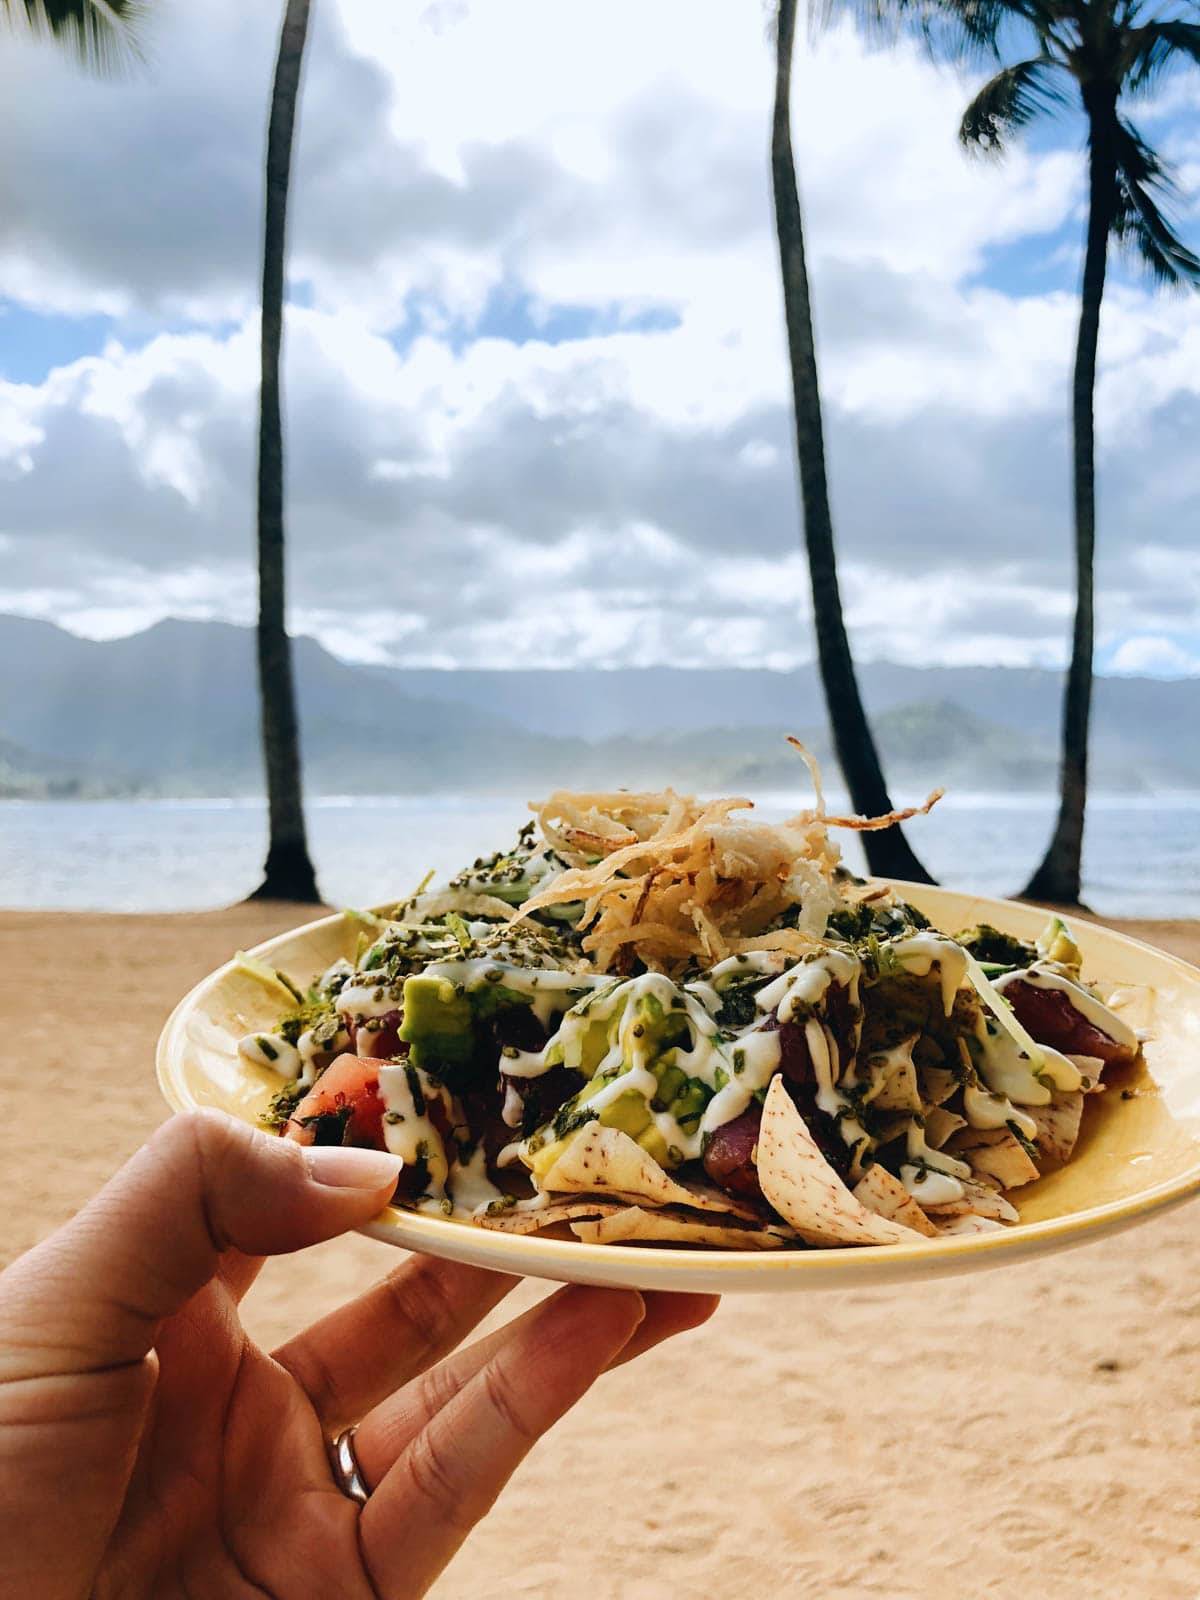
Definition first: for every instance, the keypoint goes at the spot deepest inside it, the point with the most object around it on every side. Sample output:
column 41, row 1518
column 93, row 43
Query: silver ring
column 347, row 1473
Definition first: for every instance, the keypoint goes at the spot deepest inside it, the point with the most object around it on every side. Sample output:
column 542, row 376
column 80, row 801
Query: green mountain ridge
column 173, row 712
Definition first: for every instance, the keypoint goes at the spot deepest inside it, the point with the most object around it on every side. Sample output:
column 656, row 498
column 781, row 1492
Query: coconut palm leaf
column 1090, row 54
column 1155, row 48
column 1138, row 221
column 1009, row 102
column 102, row 33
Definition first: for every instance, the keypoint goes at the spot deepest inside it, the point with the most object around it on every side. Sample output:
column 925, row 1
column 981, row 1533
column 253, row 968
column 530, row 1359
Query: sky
column 535, row 378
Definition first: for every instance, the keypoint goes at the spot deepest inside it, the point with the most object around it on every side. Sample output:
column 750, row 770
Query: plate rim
column 770, row 1269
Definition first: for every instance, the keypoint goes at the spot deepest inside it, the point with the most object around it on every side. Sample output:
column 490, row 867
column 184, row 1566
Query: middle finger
column 395, row 1422
column 350, row 1360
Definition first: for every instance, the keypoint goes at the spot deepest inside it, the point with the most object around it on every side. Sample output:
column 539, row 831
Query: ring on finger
column 347, row 1473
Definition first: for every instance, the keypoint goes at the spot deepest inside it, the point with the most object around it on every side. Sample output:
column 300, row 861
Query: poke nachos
column 658, row 1019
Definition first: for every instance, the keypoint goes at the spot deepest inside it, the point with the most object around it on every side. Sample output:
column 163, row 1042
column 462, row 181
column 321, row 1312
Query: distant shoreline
column 1017, row 800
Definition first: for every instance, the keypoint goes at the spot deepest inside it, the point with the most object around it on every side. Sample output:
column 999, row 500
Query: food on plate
column 659, row 1020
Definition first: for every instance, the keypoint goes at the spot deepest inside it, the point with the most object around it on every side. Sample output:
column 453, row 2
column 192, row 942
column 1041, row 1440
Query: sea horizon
column 163, row 853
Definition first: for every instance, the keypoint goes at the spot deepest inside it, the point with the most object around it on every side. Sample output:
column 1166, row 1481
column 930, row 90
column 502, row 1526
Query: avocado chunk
column 438, row 1025
column 1057, row 945
column 658, row 1031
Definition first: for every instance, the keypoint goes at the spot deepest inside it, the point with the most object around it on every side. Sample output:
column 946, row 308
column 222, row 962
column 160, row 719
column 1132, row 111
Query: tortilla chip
column 534, row 1218
column 981, row 1199
column 883, row 1193
column 1058, row 1124
column 602, row 1160
column 995, row 1153
column 969, row 1222
column 633, row 1225
column 940, row 1124
column 899, row 1091
column 937, row 1085
column 804, row 1188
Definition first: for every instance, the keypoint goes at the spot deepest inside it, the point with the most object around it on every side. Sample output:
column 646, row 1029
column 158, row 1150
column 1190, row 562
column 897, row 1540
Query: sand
column 1028, row 1432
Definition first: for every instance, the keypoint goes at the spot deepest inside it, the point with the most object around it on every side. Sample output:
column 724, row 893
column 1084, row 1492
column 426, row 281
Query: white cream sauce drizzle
column 986, row 1109
column 920, row 1153
column 1008, row 1071
column 469, row 1186
column 272, row 1050
column 808, row 983
column 366, row 1001
column 920, row 953
column 930, row 1188
column 405, row 1130
column 550, row 991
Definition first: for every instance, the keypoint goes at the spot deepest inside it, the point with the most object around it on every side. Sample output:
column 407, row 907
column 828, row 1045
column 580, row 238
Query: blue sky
column 535, row 377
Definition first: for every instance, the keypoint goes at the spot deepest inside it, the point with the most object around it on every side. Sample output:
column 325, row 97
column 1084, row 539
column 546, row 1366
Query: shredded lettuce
column 1003, row 1012
column 271, row 976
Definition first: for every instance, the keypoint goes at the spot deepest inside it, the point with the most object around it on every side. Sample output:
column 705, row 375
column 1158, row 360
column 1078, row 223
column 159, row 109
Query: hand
column 147, row 1447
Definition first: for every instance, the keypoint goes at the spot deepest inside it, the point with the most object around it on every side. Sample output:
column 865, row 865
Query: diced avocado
column 628, row 1112
column 543, row 1158
column 672, row 1081
column 437, row 1024
column 688, row 1106
column 658, row 1027
column 655, row 1146
column 1057, row 945
column 585, row 1048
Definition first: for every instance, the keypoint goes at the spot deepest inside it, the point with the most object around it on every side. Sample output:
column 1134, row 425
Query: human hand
column 148, row 1447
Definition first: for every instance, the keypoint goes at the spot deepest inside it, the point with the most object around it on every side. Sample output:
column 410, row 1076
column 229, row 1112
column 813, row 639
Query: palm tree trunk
column 288, row 873
column 1058, row 878
column 888, row 853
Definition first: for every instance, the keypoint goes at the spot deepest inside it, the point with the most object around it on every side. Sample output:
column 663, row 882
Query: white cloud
column 1150, row 653
column 460, row 492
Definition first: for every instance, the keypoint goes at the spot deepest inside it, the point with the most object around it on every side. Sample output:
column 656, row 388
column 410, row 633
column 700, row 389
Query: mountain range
column 173, row 711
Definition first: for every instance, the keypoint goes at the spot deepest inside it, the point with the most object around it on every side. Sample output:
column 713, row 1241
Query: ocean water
column 1142, row 855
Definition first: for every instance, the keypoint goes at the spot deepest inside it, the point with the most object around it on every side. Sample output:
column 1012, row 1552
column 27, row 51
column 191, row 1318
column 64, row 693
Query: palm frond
column 1139, row 223
column 1153, row 49
column 101, row 33
column 1009, row 102
column 951, row 30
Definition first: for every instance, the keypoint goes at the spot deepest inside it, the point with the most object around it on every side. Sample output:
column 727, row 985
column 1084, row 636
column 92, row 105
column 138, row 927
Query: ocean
column 1142, row 854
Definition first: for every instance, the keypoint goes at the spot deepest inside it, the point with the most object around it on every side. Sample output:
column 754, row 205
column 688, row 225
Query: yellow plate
column 1136, row 1155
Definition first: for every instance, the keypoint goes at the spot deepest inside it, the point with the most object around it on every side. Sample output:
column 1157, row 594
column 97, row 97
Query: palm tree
column 288, row 873
column 100, row 32
column 888, row 852
column 1091, row 54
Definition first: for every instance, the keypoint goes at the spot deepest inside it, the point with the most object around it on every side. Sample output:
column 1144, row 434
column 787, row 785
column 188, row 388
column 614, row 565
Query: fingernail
column 347, row 1167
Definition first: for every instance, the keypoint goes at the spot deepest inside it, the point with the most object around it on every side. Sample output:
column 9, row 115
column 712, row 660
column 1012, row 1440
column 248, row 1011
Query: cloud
column 536, row 387
column 1153, row 653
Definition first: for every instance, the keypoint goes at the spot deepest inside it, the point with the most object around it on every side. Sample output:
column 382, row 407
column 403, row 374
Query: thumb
column 94, row 1294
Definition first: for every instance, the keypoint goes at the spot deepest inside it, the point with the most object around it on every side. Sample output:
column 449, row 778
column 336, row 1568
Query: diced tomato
column 1051, row 1019
column 342, row 1107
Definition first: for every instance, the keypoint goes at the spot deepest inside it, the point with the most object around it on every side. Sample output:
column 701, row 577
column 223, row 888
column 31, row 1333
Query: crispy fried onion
column 671, row 880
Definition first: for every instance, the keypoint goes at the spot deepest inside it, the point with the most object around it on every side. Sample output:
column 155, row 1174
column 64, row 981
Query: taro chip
column 532, row 1219
column 634, row 1226
column 980, row 1199
column 995, row 1153
column 601, row 1160
column 940, row 1124
column 1058, row 1124
column 937, row 1084
column 804, row 1188
column 883, row 1193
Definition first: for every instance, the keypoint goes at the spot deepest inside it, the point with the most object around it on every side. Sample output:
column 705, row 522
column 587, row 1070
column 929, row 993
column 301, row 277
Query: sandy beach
column 1031, row 1432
